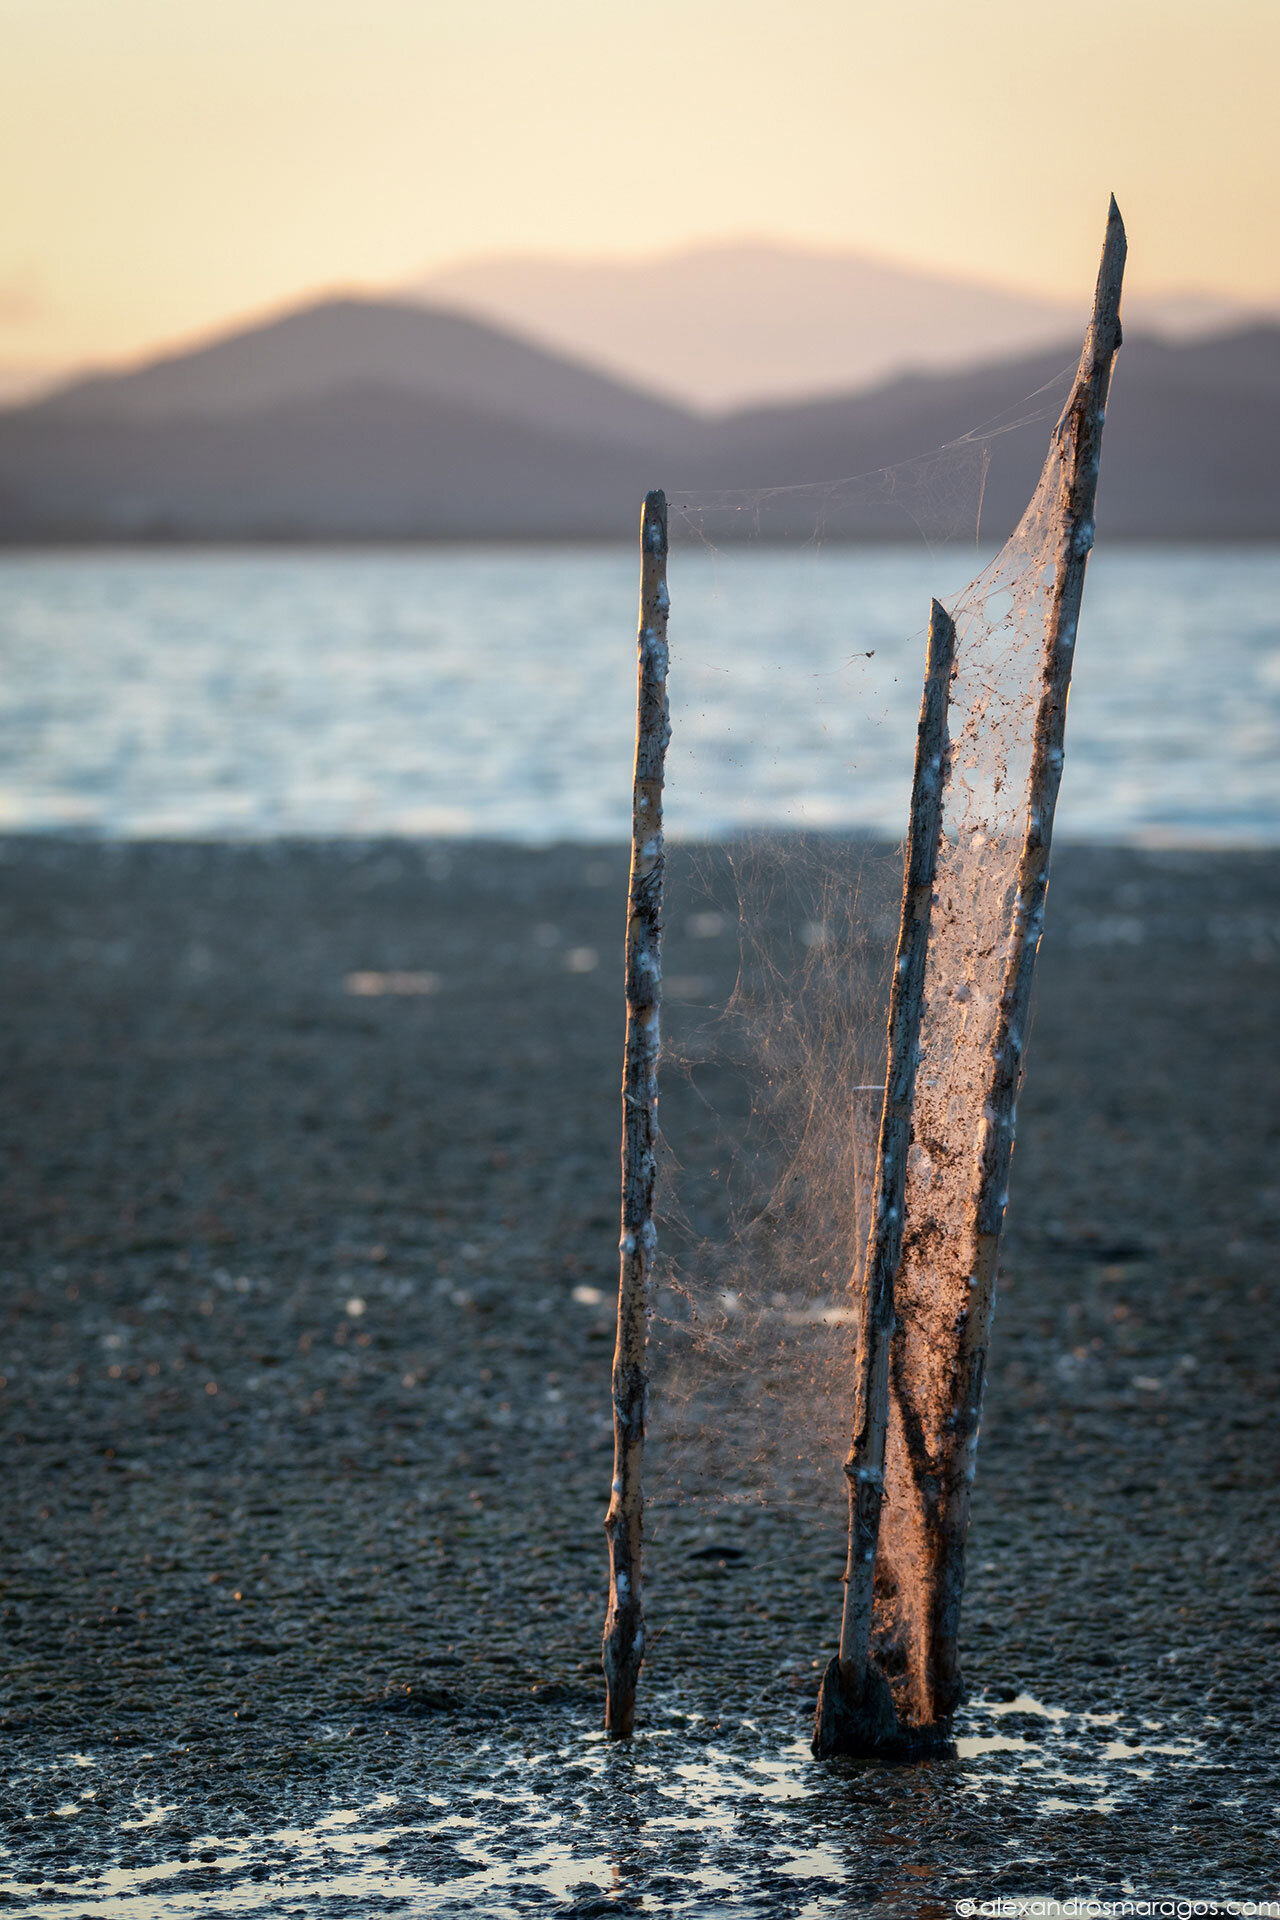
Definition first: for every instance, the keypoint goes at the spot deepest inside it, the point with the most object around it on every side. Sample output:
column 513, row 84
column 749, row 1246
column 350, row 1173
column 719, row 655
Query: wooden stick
column 624, row 1623
column 855, row 1710
column 1077, row 441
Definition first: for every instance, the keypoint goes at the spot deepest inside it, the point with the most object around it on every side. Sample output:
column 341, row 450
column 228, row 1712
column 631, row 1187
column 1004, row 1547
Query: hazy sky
column 166, row 165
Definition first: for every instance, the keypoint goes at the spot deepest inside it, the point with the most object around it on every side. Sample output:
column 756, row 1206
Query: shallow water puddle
column 970, row 1745
column 1025, row 1703
column 152, row 1818
column 679, row 1823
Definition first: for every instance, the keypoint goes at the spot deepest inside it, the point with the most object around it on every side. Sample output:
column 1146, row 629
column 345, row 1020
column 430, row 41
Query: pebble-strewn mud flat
column 305, row 1433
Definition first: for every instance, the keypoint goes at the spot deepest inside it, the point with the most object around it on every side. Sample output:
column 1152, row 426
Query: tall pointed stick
column 855, row 1709
column 1077, row 444
column 952, row 1285
column 624, row 1623
column 954, row 1200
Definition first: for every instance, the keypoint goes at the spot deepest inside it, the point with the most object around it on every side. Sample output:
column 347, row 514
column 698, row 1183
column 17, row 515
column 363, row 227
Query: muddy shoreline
column 305, row 1411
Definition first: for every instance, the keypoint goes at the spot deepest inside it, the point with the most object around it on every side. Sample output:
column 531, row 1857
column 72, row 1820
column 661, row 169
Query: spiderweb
column 780, row 1087
column 1001, row 625
column 753, row 1335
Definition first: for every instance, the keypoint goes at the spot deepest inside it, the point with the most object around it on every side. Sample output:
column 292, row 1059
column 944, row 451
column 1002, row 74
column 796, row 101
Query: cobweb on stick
column 773, row 1102
column 934, row 497
column 777, row 1089
column 1016, row 630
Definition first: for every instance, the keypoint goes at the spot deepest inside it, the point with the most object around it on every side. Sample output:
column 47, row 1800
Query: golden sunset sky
column 167, row 166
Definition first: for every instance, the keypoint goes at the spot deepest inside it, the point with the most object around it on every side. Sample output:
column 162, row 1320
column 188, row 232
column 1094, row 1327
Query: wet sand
column 305, row 1413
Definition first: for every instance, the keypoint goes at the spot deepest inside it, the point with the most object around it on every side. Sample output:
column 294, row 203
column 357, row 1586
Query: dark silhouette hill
column 1187, row 453
column 354, row 420
column 319, row 350
column 361, row 463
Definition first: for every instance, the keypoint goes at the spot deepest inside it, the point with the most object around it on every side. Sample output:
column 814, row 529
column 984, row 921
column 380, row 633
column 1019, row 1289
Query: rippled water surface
column 491, row 692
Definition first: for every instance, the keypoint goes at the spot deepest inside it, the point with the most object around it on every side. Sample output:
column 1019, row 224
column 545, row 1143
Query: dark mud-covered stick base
column 869, row 1729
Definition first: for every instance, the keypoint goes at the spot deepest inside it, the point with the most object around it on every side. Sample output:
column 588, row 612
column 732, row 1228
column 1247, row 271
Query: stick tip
column 1106, row 299
column 1117, row 241
column 942, row 630
column 653, row 522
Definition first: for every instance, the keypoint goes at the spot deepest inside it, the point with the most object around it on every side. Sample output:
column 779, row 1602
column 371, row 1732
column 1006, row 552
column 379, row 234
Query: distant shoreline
column 32, row 843
column 375, row 542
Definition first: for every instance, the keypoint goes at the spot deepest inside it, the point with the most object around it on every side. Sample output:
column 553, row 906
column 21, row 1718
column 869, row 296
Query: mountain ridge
column 723, row 325
column 493, row 440
column 344, row 340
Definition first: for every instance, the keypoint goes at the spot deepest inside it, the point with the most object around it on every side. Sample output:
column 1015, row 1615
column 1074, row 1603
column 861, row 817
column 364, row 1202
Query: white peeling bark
column 624, row 1624
column 855, row 1710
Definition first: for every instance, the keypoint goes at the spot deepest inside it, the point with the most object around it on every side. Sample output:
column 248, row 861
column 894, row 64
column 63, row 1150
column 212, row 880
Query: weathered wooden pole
column 898, row 1699
column 624, row 1624
column 855, row 1708
column 1076, row 448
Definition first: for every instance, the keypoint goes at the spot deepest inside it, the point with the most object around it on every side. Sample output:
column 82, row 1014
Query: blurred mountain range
column 747, row 323
column 359, row 419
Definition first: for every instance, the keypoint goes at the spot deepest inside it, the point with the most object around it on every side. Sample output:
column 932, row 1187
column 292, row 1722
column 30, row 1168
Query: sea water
column 490, row 692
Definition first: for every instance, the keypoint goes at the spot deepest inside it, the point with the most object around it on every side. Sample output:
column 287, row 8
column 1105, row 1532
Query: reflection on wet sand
column 691, row 1815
